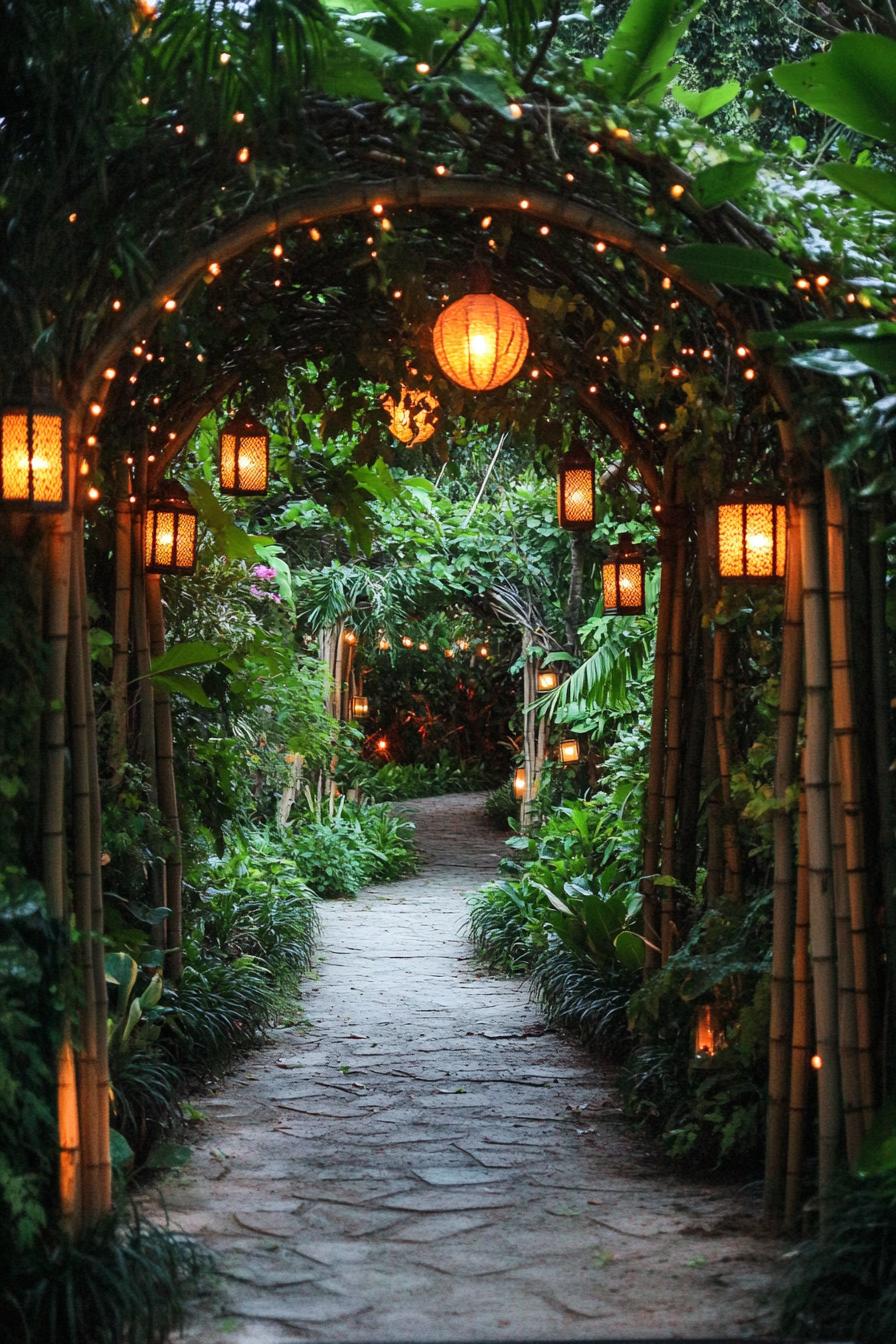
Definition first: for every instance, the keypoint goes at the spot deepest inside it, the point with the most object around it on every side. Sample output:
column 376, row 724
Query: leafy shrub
column 121, row 1283
column 394, row 781
column 501, row 806
column 329, row 865
column 843, row 1286
column 384, row 839
column 500, row 927
column 574, row 996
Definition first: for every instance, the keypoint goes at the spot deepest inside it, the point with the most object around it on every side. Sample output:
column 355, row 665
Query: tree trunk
column 655, row 771
column 578, row 549
column 167, row 786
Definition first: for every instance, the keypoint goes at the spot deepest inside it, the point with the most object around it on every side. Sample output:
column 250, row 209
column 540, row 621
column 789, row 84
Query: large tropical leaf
column 854, row 81
column 728, row 264
column 638, row 57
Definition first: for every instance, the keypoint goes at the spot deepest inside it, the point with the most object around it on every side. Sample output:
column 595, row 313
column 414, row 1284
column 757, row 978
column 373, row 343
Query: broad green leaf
column 728, row 264
column 120, row 1151
column 630, row 949
column 854, row 81
column 188, row 653
column 639, row 54
column 188, row 687
column 838, row 363
column 231, row 540
column 152, row 993
column 873, row 184
column 724, row 181
column 704, row 103
column 121, row 970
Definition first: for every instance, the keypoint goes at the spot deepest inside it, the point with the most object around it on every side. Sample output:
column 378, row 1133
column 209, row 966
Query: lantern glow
column 360, row 706
column 407, row 642
column 169, row 545
column 243, row 457
column 519, row 782
column 413, row 415
column 569, row 751
column 350, row 637
column 32, row 458
column 384, row 646
column 480, row 341
column 622, row 576
column 752, row 538
column 575, row 491
column 709, row 1037
column 547, row 680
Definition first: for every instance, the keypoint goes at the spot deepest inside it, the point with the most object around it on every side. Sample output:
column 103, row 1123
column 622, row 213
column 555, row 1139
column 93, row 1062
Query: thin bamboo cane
column 715, row 859
column 146, row 719
column 97, row 911
column 529, row 679
column 167, row 785
column 720, row 716
column 671, row 775
column 847, row 1022
column 801, row 1033
column 821, row 911
column 886, row 831
column 82, row 885
column 68, row 1138
column 337, row 654
column 655, row 770
column 783, row 953
column 846, row 739
column 54, row 748
column 121, row 619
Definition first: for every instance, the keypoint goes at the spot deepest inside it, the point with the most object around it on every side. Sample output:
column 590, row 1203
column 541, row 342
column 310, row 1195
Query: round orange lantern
column 243, row 453
column 169, row 545
column 413, row 415
column 480, row 341
column 32, row 458
column 752, row 537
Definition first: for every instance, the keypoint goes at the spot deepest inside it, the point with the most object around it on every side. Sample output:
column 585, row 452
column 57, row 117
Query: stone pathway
column 424, row 1162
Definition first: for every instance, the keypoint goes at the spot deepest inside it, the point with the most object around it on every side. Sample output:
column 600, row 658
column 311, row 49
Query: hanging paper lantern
column 32, row 458
column 413, row 415
column 170, row 536
column 752, row 538
column 623, row 579
column 480, row 341
column 575, row 491
column 384, row 646
column 350, row 637
column 360, row 706
column 547, row 680
column 519, row 782
column 243, row 456
column 569, row 751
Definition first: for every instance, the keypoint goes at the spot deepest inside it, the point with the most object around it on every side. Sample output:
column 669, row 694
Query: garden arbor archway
column 815, row 612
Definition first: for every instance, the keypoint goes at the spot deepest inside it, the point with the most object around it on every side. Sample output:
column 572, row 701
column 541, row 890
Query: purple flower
column 264, row 572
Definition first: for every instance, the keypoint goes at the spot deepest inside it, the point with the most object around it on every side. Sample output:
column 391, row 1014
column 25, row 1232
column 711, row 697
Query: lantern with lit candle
column 33, row 458
column 170, row 534
column 547, row 680
column 569, row 751
column 709, row 1036
column 243, row 456
column 413, row 415
column 360, row 706
column 623, row 579
column 480, row 341
column 575, row 491
column 752, row 538
column 519, row 782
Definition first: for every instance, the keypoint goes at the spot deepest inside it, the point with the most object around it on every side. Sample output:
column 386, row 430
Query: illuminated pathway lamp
column 171, row 526
column 519, row 782
column 413, row 415
column 575, row 491
column 32, row 458
column 709, row 1037
column 752, row 538
column 623, row 579
column 243, row 457
column 547, row 680
column 569, row 751
column 480, row 341
column 360, row 706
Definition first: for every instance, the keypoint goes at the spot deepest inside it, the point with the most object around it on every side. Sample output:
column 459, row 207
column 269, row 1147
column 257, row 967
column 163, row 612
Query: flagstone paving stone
column 423, row 1161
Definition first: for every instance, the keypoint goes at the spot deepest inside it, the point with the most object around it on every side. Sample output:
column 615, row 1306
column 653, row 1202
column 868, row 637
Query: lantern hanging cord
column 485, row 479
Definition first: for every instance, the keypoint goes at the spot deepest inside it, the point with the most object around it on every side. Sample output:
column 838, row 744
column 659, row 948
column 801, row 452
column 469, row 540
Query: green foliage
column 853, row 81
column 328, row 865
column 573, row 996
column 396, row 781
column 353, row 845
column 505, row 929
column 501, row 806
column 124, row 1282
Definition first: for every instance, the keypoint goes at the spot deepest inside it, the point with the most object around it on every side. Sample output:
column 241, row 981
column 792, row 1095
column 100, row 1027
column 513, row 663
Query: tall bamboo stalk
column 801, row 1031
column 68, row 1138
column 846, row 738
column 54, row 749
column 653, row 810
column 121, row 620
column 715, row 858
column 821, row 908
column 672, row 772
column 886, row 831
column 720, row 700
column 850, row 1073
column 783, row 953
column 167, row 785
column 146, row 712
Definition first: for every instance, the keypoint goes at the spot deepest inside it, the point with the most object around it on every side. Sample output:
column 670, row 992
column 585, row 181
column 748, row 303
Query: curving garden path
column 422, row 1161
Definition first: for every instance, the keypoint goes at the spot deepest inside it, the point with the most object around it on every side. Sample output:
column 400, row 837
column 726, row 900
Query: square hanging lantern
column 622, row 574
column 709, row 1035
column 547, row 680
column 360, row 706
column 752, row 538
column 575, row 491
column 243, row 457
column 33, row 458
column 569, row 751
column 169, row 544
column 519, row 782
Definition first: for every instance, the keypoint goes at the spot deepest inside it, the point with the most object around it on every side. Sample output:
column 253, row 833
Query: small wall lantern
column 519, row 782
column 569, row 751
column 575, row 491
column 32, row 458
column 169, row 544
column 623, row 579
column 752, row 538
column 360, row 706
column 547, row 680
column 243, row 457
column 709, row 1038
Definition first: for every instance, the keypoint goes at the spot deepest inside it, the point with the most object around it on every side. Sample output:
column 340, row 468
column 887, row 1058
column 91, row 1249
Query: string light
column 515, row 111
column 169, row 305
column 239, row 118
column 545, row 230
column 440, row 170
column 224, row 58
column 600, row 247
column 109, row 374
column 594, row 147
column 243, row 154
column 676, row 191
column 485, row 222
column 116, row 305
column 277, row 250
column 214, row 268
column 95, row 408
column 524, row 204
column 314, row 234
column 377, row 208
column 423, row 67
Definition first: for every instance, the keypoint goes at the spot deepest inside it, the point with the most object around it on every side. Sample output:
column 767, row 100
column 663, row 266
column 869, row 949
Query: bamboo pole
column 121, row 618
column 820, row 858
column 655, row 770
column 886, row 832
column 146, row 718
column 801, row 1031
column 68, row 1138
column 54, row 749
column 780, row 1089
column 721, row 704
column 715, row 860
column 850, row 1073
column 672, row 772
column 167, row 785
column 846, row 739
